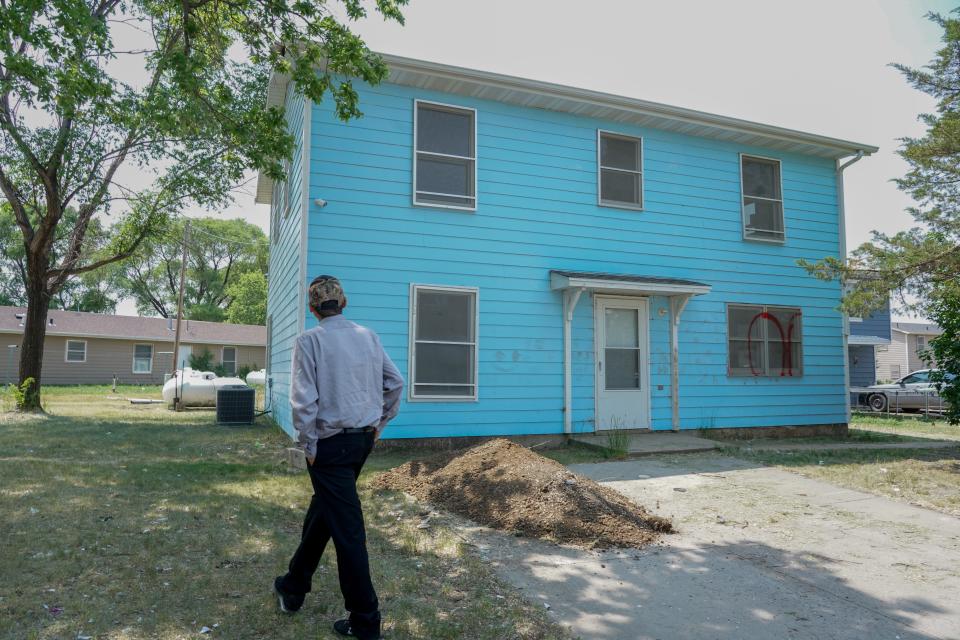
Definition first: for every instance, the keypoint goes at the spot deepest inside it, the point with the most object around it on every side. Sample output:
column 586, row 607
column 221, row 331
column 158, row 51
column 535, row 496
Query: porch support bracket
column 570, row 299
column 677, row 304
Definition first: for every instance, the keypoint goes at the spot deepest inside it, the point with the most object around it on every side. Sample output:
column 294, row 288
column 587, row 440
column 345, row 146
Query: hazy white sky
column 820, row 66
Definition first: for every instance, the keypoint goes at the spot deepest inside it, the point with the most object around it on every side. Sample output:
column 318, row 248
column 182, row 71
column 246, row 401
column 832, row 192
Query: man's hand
column 310, row 460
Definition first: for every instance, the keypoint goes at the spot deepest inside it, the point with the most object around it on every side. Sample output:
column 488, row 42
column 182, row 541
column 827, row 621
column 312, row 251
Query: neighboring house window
column 228, row 359
column 445, row 146
column 76, row 351
column 921, row 343
column 762, row 199
column 895, row 371
column 443, row 353
column 143, row 358
column 764, row 341
column 620, row 160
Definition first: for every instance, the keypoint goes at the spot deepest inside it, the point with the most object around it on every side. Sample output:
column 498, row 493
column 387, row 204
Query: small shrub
column 201, row 361
column 244, row 370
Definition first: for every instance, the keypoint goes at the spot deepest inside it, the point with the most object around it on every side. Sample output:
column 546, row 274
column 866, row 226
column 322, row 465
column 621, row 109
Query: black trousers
column 335, row 512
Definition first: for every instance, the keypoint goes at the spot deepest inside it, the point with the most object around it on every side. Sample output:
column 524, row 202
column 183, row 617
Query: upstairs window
column 620, row 160
column 443, row 361
column 762, row 199
column 764, row 341
column 76, row 351
column 445, row 146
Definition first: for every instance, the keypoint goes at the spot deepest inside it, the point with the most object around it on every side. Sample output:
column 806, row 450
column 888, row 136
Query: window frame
column 797, row 370
column 412, row 395
column 441, row 106
column 783, row 212
column 133, row 367
column 614, row 204
column 223, row 360
column 66, row 352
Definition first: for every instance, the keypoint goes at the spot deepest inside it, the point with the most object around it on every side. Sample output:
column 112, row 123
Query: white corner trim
column 304, row 213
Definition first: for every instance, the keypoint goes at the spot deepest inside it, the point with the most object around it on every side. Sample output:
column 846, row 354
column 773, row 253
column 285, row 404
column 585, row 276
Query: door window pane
column 622, row 330
column 622, row 368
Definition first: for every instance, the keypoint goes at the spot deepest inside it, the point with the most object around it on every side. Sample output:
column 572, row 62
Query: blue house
column 866, row 334
column 542, row 259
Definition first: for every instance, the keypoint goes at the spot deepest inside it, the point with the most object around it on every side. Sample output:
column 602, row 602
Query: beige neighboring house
column 901, row 356
column 92, row 348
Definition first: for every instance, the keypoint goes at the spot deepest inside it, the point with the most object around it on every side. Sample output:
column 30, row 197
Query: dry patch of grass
column 925, row 477
column 127, row 522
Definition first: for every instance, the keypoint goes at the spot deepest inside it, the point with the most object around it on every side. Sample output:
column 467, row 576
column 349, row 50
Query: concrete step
column 641, row 443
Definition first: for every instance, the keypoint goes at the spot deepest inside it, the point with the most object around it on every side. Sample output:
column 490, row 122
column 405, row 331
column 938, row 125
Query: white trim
column 476, row 187
column 613, row 203
column 133, row 366
column 412, row 345
column 306, row 153
column 783, row 211
column 625, row 287
column 66, row 351
column 236, row 355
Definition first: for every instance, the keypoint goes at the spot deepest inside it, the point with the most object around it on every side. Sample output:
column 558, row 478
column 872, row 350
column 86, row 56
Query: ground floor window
column 143, row 358
column 764, row 341
column 443, row 345
column 76, row 351
column 228, row 360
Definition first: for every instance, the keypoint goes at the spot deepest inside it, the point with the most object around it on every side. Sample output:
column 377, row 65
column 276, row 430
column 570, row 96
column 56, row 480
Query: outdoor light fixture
column 320, row 202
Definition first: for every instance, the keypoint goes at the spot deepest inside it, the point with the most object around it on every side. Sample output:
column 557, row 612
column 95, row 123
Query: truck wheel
column 877, row 402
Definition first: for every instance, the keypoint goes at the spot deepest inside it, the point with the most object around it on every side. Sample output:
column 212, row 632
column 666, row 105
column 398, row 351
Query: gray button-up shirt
column 342, row 379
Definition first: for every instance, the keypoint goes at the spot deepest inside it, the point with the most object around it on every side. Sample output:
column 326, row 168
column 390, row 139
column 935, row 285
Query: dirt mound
column 504, row 485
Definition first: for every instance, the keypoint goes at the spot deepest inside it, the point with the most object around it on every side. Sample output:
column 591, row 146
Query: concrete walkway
column 650, row 443
column 760, row 553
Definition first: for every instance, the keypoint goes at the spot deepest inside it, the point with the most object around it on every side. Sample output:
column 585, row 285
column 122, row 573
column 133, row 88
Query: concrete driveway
column 760, row 553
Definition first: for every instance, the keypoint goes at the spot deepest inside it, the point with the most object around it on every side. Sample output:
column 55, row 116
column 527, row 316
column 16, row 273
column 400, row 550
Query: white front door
column 623, row 385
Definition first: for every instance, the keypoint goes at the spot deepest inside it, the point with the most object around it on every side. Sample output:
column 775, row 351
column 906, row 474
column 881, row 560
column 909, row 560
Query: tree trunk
column 31, row 350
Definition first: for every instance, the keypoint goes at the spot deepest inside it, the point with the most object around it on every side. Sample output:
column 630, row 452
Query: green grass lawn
column 126, row 521
column 906, row 425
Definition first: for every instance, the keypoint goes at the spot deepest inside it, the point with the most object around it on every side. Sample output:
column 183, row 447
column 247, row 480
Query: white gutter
column 841, row 211
column 570, row 299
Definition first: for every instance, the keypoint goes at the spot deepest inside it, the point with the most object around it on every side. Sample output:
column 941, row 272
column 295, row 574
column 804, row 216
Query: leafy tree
column 218, row 254
column 922, row 265
column 94, row 291
column 190, row 124
column 248, row 299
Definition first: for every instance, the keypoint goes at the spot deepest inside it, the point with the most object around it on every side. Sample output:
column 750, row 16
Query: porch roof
column 625, row 284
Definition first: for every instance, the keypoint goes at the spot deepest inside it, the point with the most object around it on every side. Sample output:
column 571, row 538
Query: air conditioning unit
column 236, row 404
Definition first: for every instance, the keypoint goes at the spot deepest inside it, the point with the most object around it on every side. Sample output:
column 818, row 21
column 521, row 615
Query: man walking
column 345, row 390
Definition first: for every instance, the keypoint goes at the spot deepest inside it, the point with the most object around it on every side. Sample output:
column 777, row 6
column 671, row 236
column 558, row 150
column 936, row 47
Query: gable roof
column 487, row 85
column 916, row 327
column 97, row 325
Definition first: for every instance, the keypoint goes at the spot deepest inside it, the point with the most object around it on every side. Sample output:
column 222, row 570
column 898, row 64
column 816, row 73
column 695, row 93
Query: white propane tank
column 257, row 378
column 198, row 388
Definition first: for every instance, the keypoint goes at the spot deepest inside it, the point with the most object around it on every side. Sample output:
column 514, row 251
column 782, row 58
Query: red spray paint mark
column 786, row 364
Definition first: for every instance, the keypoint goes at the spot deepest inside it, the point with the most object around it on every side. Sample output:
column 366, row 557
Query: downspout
column 841, row 211
column 570, row 299
column 677, row 305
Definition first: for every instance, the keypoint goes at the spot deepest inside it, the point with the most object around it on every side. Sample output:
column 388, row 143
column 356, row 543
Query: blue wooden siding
column 283, row 306
column 537, row 210
column 863, row 372
column 877, row 324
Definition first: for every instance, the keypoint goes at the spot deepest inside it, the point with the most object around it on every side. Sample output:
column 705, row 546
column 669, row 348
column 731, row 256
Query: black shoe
column 289, row 602
column 345, row 628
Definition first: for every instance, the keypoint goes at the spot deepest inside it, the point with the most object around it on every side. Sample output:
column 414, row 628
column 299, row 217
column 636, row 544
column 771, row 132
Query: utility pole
column 177, row 401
